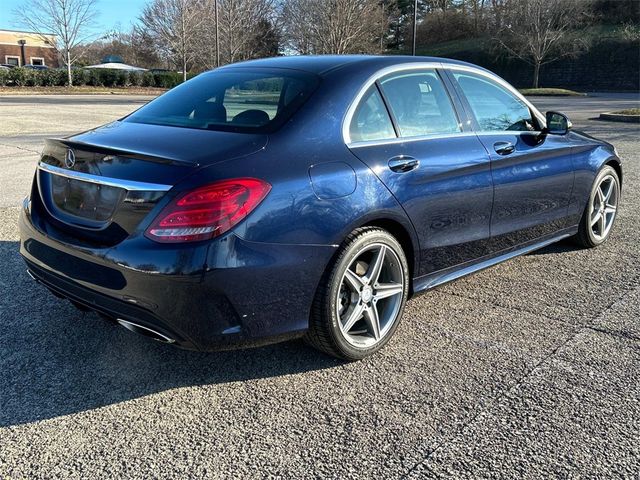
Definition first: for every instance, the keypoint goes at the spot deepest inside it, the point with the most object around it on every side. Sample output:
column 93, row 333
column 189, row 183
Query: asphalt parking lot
column 527, row 370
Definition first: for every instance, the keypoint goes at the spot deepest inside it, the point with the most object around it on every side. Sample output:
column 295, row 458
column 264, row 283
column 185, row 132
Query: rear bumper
column 221, row 294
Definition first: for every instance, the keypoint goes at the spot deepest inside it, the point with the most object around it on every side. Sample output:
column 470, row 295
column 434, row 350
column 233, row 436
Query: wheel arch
column 407, row 242
column 617, row 166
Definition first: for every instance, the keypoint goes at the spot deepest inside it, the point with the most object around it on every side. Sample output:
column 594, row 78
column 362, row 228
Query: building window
column 11, row 60
column 37, row 61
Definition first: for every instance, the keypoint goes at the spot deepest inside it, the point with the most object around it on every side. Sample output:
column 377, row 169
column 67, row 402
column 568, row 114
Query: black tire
column 586, row 237
column 324, row 331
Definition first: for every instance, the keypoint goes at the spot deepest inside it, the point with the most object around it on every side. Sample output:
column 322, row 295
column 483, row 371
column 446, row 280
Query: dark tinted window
column 240, row 100
column 420, row 104
column 495, row 107
column 371, row 120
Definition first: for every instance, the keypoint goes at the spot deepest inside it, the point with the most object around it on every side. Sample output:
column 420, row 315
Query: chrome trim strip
column 129, row 185
column 420, row 66
column 486, row 133
column 391, row 141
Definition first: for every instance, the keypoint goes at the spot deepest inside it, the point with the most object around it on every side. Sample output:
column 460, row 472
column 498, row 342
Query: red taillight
column 208, row 211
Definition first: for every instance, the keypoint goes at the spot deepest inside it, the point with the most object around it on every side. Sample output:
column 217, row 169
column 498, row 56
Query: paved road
column 529, row 369
column 581, row 109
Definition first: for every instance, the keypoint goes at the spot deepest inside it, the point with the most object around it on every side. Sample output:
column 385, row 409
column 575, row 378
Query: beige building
column 27, row 48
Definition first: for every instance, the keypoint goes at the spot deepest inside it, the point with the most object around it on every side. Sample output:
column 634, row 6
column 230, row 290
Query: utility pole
column 415, row 16
column 215, row 14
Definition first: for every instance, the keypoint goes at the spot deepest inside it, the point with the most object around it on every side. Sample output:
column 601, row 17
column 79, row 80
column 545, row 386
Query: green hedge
column 96, row 77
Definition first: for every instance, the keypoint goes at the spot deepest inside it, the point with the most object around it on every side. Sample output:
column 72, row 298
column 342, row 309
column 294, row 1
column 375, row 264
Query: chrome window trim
column 486, row 133
column 393, row 141
column 129, row 185
column 346, row 123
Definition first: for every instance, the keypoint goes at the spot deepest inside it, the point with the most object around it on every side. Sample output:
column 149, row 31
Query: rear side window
column 371, row 120
column 238, row 100
column 495, row 107
column 420, row 104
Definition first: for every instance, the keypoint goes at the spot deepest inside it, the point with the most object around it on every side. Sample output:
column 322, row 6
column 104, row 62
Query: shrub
column 32, row 78
column 109, row 77
column 135, row 79
column 48, row 78
column 148, row 80
column 106, row 77
column 167, row 79
column 54, row 77
column 121, row 78
column 18, row 76
column 80, row 76
column 94, row 78
column 57, row 77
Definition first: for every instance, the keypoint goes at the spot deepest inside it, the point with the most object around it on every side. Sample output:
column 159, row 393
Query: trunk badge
column 70, row 159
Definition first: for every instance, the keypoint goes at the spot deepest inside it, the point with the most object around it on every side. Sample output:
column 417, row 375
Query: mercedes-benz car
column 308, row 197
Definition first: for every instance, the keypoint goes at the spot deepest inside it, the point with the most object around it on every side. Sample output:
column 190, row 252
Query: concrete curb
column 618, row 117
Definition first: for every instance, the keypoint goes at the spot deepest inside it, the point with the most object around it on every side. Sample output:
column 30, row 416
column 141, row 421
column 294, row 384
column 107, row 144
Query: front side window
column 236, row 100
column 420, row 104
column 371, row 120
column 495, row 107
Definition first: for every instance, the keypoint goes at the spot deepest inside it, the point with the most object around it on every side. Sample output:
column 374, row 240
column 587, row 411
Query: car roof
column 323, row 64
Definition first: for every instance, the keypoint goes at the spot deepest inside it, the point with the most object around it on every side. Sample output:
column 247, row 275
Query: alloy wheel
column 370, row 296
column 603, row 207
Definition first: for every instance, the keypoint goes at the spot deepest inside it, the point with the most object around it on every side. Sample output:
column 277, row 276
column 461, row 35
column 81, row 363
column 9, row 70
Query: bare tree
column 477, row 11
column 174, row 26
column 333, row 26
column 297, row 19
column 537, row 31
column 246, row 29
column 69, row 20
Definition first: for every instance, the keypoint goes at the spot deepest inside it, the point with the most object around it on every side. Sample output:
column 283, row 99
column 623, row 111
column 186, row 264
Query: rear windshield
column 238, row 100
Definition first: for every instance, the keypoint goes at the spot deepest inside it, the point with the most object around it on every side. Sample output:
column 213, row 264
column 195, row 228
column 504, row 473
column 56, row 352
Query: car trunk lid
column 98, row 186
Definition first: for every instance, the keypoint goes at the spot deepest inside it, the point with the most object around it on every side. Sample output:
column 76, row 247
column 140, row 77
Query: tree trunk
column 69, row 77
column 184, row 68
column 536, row 74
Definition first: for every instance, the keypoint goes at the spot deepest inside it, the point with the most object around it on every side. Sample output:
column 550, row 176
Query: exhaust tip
column 144, row 331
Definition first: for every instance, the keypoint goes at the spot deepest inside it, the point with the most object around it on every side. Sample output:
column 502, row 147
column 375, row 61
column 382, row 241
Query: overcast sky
column 111, row 13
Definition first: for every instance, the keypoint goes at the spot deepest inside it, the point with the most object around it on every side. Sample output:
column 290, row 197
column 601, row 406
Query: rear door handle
column 504, row 148
column 403, row 163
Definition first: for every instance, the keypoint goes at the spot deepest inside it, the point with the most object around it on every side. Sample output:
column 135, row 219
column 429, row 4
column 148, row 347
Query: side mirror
column 557, row 123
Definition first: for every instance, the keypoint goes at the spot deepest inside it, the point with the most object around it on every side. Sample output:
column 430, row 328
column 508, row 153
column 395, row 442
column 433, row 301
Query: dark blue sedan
column 308, row 196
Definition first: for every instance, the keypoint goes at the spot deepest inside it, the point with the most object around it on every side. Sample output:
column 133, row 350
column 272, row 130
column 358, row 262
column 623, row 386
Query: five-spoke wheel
column 601, row 210
column 370, row 295
column 360, row 301
column 603, row 206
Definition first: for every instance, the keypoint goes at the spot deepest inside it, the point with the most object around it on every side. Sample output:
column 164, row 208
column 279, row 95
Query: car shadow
column 56, row 360
column 562, row 246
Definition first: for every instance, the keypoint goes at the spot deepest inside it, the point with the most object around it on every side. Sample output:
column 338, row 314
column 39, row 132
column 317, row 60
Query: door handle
column 402, row 163
column 504, row 148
